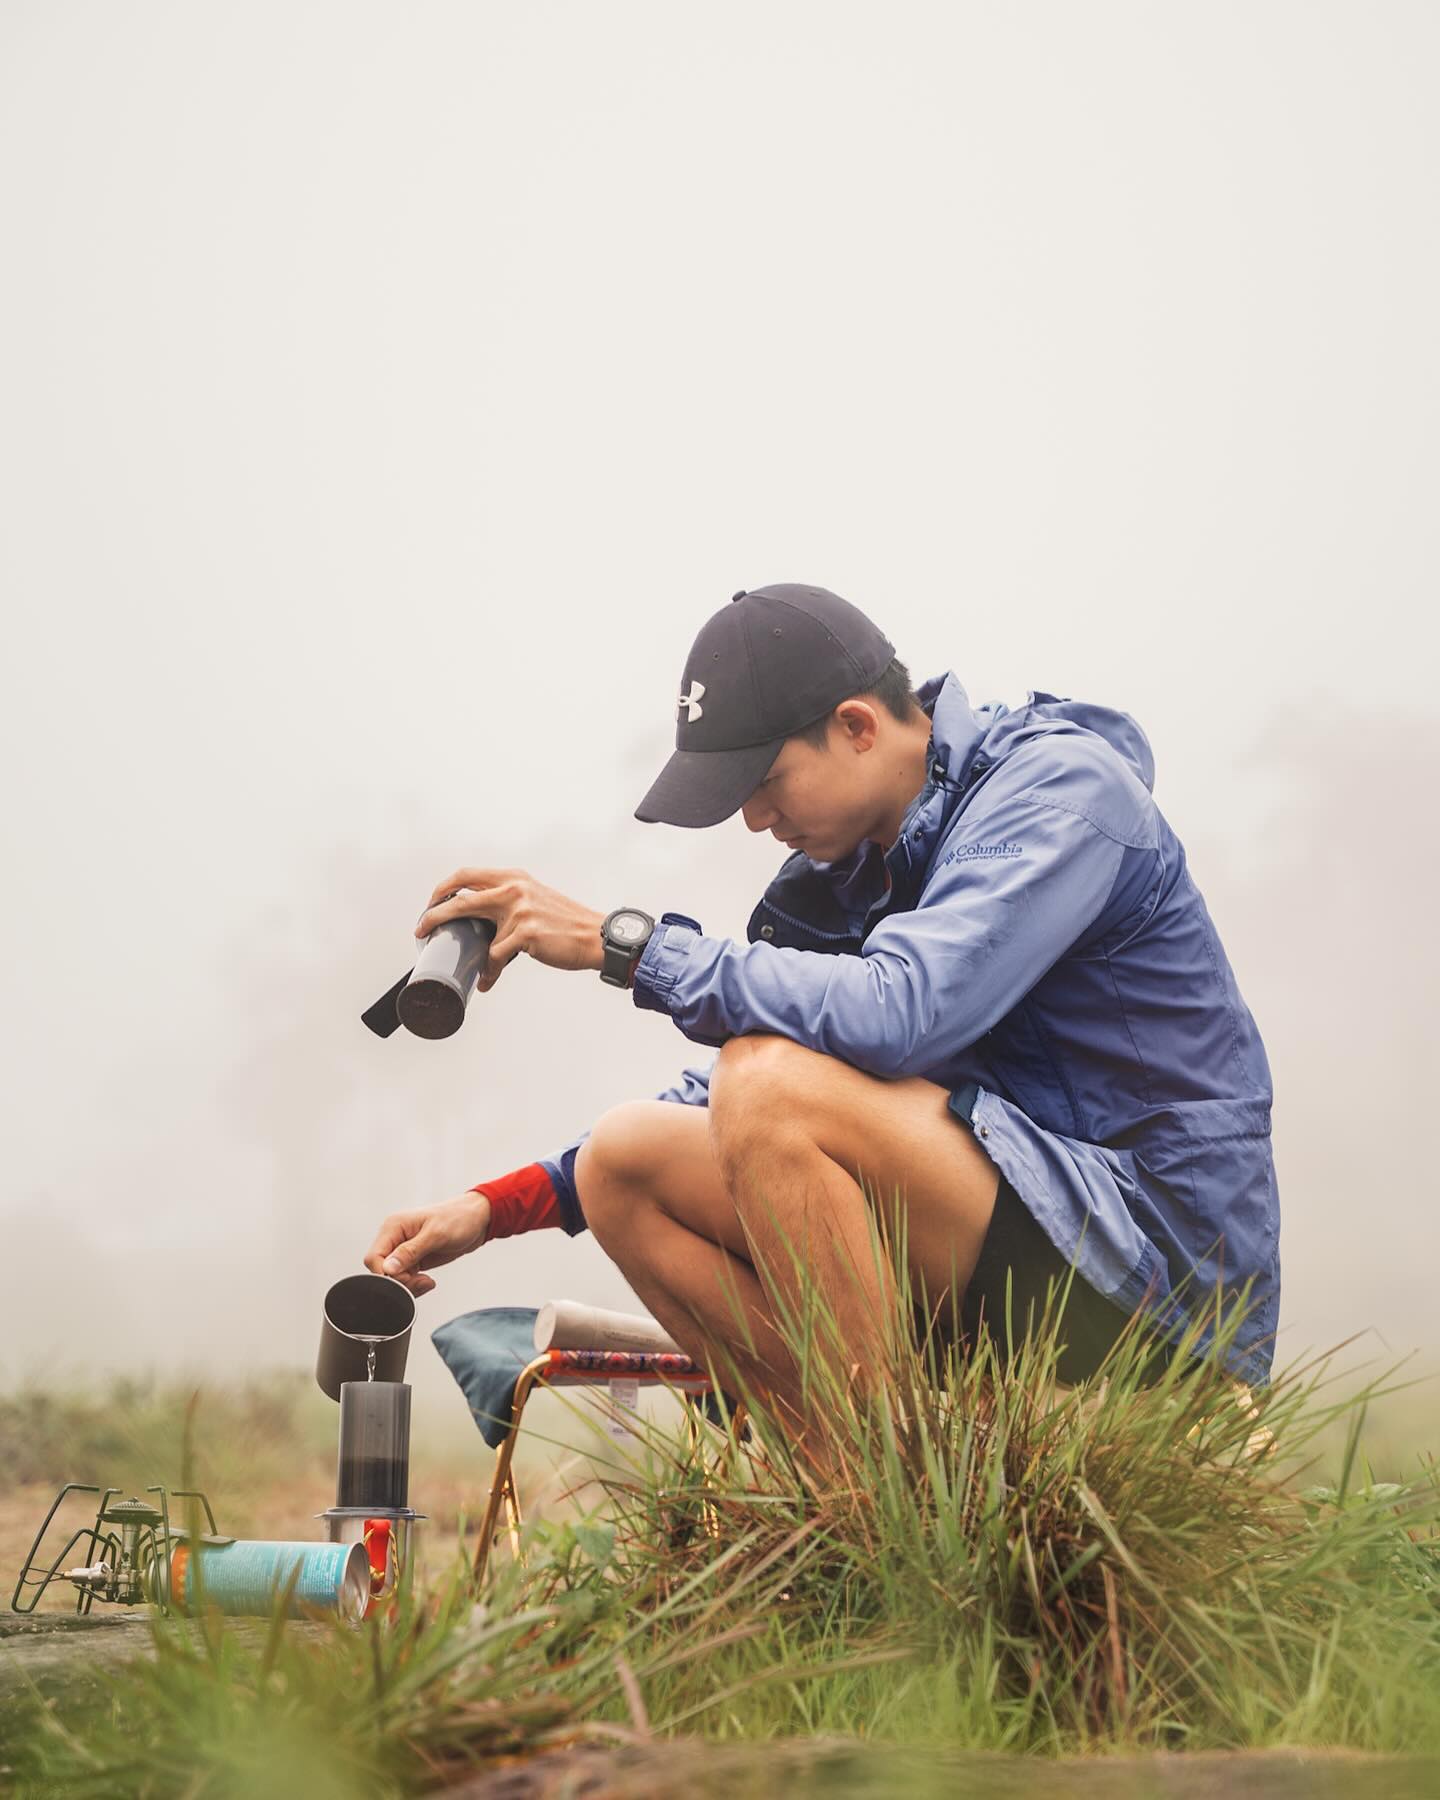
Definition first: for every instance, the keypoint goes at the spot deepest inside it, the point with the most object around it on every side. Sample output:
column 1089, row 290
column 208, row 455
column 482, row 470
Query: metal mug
column 364, row 1314
column 432, row 1002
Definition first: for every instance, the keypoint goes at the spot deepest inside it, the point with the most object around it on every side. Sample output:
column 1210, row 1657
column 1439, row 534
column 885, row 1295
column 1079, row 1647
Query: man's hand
column 409, row 1242
column 528, row 916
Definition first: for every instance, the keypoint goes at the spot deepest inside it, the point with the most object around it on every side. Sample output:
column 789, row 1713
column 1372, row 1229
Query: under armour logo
column 691, row 702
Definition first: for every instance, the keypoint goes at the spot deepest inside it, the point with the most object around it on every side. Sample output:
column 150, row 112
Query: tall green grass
column 1141, row 1559
column 983, row 1558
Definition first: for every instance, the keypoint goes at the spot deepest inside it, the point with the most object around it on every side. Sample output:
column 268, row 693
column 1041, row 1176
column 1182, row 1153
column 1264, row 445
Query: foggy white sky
column 388, row 393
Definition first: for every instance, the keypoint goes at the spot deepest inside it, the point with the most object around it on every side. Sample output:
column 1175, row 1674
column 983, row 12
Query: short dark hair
column 892, row 691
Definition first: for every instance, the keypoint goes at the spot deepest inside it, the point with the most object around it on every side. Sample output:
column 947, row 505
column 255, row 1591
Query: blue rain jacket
column 1042, row 952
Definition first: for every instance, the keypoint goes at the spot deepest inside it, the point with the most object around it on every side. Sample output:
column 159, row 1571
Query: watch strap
column 617, row 964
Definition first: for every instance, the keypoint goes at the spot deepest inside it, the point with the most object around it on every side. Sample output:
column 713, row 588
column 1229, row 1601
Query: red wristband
column 524, row 1200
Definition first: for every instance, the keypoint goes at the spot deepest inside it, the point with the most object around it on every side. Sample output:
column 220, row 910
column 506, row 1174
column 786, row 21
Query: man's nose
column 758, row 814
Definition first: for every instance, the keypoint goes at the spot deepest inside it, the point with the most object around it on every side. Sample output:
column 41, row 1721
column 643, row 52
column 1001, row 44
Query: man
column 983, row 984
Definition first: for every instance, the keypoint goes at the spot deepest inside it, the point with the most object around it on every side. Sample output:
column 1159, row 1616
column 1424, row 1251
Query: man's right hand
column 409, row 1242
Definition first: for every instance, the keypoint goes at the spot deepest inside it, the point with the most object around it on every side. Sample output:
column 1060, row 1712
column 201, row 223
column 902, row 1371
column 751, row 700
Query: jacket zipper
column 831, row 937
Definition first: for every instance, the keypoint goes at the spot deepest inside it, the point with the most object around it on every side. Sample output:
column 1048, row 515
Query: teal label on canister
column 246, row 1577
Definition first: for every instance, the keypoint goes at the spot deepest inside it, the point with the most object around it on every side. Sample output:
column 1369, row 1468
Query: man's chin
column 820, row 852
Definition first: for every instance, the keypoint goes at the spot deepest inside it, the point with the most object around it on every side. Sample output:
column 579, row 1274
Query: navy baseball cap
column 773, row 661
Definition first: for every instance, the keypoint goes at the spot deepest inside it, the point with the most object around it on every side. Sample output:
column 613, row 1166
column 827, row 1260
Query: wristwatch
column 624, row 935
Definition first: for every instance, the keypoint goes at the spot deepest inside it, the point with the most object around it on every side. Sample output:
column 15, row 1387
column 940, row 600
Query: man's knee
column 762, row 1080
column 764, row 1103
column 614, row 1168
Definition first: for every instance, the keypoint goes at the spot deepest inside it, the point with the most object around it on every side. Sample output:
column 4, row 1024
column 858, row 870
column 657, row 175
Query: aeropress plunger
column 365, row 1333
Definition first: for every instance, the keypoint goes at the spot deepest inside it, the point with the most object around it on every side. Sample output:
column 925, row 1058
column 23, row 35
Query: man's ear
column 859, row 724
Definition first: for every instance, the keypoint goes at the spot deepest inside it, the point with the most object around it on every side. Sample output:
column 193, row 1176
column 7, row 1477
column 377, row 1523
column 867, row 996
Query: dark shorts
column 1015, row 1248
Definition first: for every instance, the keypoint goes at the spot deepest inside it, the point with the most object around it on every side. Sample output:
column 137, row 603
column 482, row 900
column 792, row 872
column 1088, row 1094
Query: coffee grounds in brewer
column 374, row 1481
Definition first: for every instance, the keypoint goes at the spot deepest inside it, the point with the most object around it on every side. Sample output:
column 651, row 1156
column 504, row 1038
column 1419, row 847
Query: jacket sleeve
column 1012, row 888
column 692, row 1089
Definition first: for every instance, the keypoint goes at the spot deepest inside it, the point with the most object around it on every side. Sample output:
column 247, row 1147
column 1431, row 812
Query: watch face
column 628, row 928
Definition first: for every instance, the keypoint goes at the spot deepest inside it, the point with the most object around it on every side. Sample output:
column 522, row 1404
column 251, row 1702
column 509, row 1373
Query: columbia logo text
column 973, row 852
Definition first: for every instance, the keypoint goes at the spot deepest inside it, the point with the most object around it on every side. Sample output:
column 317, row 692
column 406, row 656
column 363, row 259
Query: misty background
column 387, row 395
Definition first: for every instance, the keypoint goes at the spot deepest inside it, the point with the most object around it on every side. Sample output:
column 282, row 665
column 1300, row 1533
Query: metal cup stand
column 367, row 1333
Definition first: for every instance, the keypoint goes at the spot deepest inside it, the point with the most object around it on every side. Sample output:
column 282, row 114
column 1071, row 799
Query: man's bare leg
column 653, row 1197
column 692, row 1203
column 796, row 1133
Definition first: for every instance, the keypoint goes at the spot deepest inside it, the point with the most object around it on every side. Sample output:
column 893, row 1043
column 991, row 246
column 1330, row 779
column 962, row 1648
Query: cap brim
column 702, row 787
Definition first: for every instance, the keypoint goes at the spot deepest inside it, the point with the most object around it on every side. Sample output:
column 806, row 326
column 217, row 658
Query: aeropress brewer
column 364, row 1340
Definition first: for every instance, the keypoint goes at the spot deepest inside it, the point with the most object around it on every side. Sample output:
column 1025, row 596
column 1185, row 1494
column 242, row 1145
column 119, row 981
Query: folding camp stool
column 583, row 1368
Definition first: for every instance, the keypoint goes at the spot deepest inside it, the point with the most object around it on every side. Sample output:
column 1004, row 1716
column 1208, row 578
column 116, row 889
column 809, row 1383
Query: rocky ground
column 59, row 1652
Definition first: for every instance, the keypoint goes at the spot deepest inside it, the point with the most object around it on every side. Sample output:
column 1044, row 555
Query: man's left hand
column 528, row 916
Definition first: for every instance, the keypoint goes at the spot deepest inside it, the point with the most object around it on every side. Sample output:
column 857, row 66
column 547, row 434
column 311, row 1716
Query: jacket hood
column 958, row 729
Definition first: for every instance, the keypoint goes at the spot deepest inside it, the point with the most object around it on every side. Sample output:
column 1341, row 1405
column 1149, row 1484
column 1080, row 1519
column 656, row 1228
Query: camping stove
column 125, row 1555
column 134, row 1554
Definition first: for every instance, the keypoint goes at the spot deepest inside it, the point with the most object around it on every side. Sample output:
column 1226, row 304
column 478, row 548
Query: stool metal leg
column 503, row 1491
column 709, row 1513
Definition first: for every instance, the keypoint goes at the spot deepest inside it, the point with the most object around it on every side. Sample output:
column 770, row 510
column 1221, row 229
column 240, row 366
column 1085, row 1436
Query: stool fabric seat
column 488, row 1351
